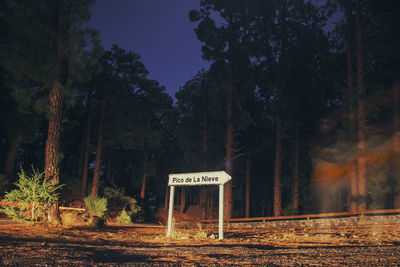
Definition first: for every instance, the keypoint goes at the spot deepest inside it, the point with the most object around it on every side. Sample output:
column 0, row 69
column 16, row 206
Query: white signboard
column 199, row 178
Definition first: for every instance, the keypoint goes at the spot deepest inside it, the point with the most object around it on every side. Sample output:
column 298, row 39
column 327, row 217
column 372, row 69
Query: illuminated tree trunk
column 278, row 158
column 362, row 122
column 166, row 198
column 296, row 171
column 353, row 172
column 204, row 150
column 203, row 202
column 12, row 157
column 52, row 157
column 99, row 149
column 183, row 199
column 229, row 146
column 52, row 161
column 80, row 160
column 396, row 143
column 143, row 188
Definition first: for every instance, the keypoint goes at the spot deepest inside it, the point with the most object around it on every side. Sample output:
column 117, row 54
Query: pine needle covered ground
column 121, row 245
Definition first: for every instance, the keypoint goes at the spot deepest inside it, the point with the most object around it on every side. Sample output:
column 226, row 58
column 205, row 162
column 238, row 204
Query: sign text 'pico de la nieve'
column 199, row 178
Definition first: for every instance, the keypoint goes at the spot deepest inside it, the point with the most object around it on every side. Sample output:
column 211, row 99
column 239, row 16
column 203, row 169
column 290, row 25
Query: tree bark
column 296, row 171
column 12, row 157
column 396, row 143
column 144, row 178
column 52, row 157
column 278, row 157
column 362, row 122
column 204, row 151
column 183, row 199
column 353, row 172
column 80, row 160
column 166, row 197
column 277, row 167
column 229, row 145
column 99, row 149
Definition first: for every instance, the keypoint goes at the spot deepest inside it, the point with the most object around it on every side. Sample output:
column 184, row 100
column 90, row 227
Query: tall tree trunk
column 204, row 151
column 248, row 184
column 296, row 171
column 87, row 144
column 353, row 173
column 12, row 157
column 99, row 149
column 166, row 197
column 229, row 145
column 362, row 122
column 183, row 199
column 278, row 157
column 80, row 160
column 143, row 188
column 396, row 143
column 52, row 159
column 277, row 167
column 210, row 203
column 203, row 202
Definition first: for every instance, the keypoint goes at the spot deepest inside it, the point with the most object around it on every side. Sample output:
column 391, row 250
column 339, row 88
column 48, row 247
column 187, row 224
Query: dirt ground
column 144, row 245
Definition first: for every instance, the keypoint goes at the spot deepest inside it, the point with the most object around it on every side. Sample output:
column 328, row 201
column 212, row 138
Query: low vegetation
column 33, row 193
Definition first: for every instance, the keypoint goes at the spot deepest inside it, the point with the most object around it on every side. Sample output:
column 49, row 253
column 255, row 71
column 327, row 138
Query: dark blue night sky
column 158, row 30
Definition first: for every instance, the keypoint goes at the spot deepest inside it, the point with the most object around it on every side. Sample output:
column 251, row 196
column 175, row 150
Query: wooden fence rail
column 5, row 203
column 308, row 216
column 254, row 219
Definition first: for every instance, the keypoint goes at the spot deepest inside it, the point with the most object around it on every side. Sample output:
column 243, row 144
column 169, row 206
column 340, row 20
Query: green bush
column 34, row 193
column 96, row 206
column 124, row 217
column 118, row 201
column 200, row 235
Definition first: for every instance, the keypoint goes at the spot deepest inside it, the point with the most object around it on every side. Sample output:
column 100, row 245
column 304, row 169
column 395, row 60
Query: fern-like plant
column 96, row 206
column 34, row 194
column 123, row 217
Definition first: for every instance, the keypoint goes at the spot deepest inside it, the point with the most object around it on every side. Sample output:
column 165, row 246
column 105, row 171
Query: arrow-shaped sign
column 199, row 178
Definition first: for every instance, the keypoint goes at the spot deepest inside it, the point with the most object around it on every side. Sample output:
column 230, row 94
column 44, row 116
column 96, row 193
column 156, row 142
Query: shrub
column 123, row 217
column 200, row 235
column 96, row 206
column 34, row 193
column 118, row 202
column 71, row 219
column 178, row 235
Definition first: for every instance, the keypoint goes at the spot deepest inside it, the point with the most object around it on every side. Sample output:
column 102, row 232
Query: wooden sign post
column 198, row 178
